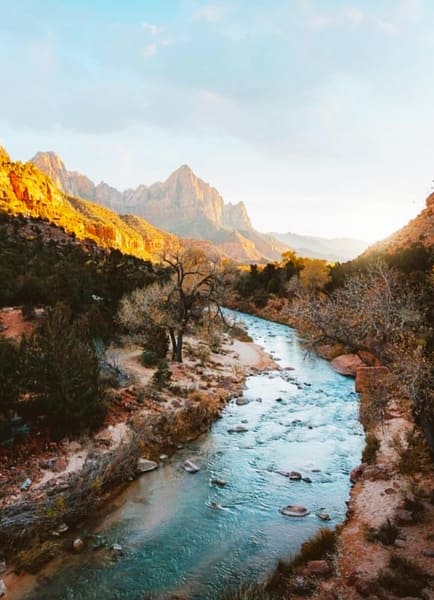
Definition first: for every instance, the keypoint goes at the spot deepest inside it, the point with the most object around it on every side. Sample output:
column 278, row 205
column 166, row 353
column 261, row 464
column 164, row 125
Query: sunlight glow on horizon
column 319, row 118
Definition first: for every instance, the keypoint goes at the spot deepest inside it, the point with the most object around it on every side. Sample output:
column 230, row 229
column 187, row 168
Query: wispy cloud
column 150, row 50
column 151, row 28
column 212, row 13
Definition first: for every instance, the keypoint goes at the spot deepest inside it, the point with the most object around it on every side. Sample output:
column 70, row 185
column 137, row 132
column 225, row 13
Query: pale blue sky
column 318, row 114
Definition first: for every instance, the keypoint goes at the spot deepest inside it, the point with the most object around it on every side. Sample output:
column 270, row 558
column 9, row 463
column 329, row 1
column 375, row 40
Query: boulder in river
column 241, row 401
column 347, row 364
column 294, row 510
column 323, row 516
column 219, row 482
column 295, row 476
column 238, row 429
column 190, row 467
column 144, row 465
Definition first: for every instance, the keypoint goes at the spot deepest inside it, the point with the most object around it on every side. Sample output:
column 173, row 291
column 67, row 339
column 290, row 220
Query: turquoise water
column 175, row 541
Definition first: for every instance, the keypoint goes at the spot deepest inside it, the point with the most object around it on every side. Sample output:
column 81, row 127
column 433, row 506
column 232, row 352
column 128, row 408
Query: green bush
column 9, row 375
column 371, row 448
column 156, row 341
column 162, row 376
column 149, row 358
column 62, row 370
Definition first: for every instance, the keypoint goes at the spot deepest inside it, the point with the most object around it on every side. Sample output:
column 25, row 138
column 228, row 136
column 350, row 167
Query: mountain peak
column 4, row 156
column 48, row 160
column 184, row 172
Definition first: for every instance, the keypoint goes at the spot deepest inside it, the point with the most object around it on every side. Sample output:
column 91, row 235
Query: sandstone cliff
column 26, row 191
column 184, row 204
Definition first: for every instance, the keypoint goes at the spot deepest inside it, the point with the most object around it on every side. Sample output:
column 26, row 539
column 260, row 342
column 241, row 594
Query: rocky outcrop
column 184, row 205
column 347, row 364
column 26, row 191
column 235, row 216
column 4, row 156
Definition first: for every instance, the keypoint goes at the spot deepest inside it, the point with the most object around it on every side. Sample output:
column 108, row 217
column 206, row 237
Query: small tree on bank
column 191, row 295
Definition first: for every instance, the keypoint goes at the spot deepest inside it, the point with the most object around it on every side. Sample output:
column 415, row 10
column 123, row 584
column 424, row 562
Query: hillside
column 25, row 190
column 419, row 230
column 184, row 204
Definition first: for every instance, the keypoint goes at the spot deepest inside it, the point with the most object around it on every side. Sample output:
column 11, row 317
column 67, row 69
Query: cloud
column 150, row 50
column 212, row 13
column 409, row 10
column 355, row 15
column 153, row 29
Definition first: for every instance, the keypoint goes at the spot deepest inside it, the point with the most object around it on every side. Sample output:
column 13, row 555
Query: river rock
column 357, row 472
column 26, row 484
column 164, row 456
column 59, row 465
column 319, row 568
column 307, row 480
column 293, row 510
column 78, row 545
column 190, row 467
column 219, row 482
column 323, row 516
column 294, row 476
column 3, row 589
column 347, row 364
column 404, row 517
column 116, row 548
column 238, row 429
column 63, row 528
column 144, row 465
column 241, row 401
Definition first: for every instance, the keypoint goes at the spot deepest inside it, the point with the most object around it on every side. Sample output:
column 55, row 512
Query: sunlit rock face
column 184, row 205
column 25, row 190
column 419, row 230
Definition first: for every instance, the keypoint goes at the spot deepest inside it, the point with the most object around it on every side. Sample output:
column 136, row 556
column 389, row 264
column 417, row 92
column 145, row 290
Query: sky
column 318, row 114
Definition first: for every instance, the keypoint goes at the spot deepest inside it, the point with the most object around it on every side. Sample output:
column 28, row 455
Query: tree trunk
column 179, row 343
column 174, row 344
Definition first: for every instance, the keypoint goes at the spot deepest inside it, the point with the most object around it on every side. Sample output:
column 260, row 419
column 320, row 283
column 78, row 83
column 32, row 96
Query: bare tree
column 191, row 294
column 373, row 311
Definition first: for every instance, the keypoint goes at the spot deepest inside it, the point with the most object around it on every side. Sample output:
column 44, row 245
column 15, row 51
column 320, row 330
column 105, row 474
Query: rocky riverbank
column 49, row 513
column 385, row 548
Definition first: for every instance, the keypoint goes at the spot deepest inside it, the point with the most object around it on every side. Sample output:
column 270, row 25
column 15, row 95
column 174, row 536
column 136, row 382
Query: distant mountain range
column 333, row 249
column 184, row 205
column 189, row 207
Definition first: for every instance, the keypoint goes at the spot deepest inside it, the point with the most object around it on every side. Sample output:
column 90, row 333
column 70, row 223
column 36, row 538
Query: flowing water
column 181, row 534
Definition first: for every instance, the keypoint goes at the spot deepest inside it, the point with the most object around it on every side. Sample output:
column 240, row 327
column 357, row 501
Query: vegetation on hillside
column 55, row 372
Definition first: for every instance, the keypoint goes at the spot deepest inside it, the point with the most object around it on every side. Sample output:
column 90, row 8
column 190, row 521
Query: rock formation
column 184, row 204
column 26, row 191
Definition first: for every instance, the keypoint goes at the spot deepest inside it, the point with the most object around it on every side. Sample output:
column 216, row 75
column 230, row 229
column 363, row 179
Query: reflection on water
column 181, row 533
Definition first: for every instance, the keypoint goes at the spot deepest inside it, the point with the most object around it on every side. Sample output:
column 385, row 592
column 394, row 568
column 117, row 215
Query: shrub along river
column 182, row 534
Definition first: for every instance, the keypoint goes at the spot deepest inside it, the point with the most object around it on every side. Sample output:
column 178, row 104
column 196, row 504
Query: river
column 182, row 534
